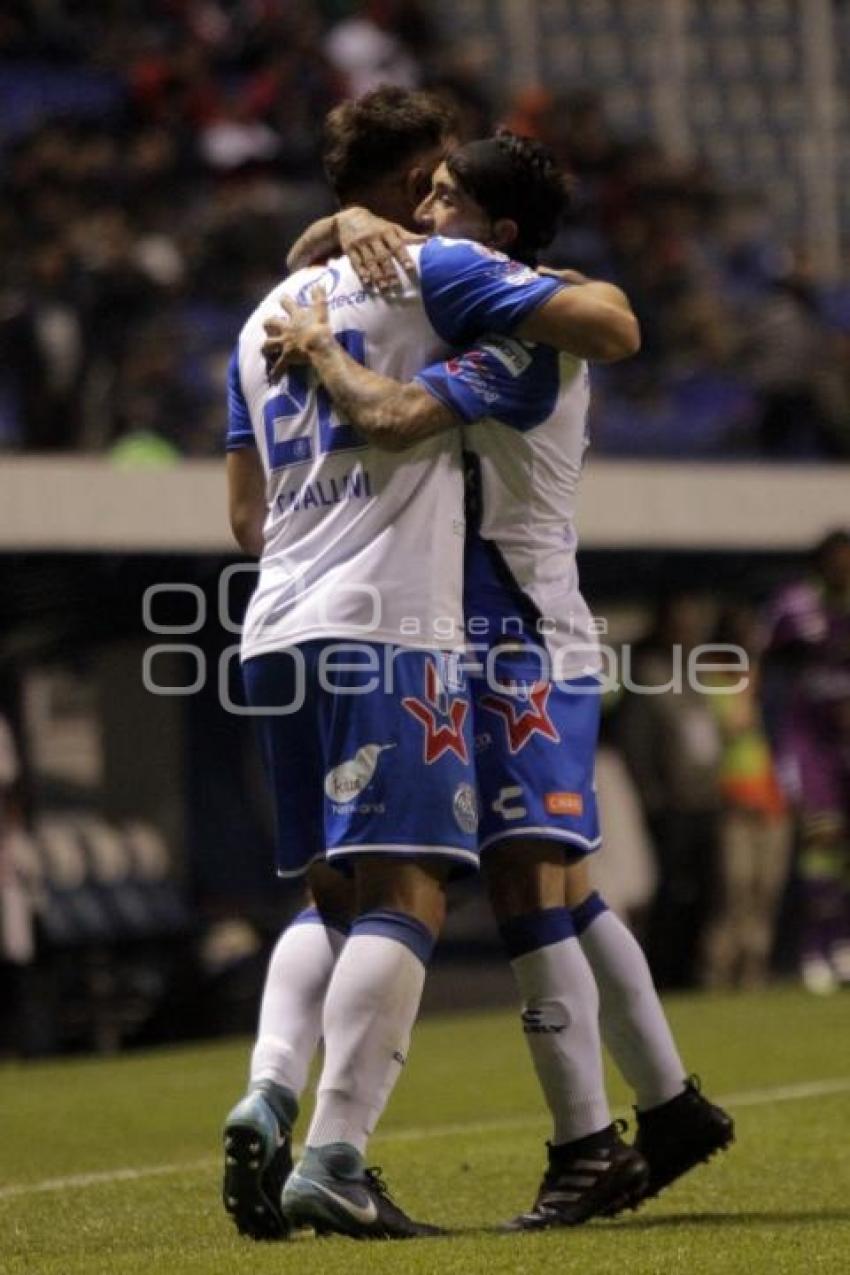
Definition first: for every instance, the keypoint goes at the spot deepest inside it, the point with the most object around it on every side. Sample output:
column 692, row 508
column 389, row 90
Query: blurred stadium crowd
column 160, row 155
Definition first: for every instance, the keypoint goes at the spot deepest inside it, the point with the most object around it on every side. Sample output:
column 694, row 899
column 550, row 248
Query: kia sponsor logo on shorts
column 465, row 807
column 564, row 803
column 346, row 782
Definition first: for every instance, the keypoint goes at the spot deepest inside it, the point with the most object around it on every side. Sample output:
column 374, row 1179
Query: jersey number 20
column 334, row 435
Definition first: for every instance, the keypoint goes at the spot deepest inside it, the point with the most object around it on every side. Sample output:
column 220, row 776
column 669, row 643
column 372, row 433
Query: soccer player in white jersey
column 523, row 409
column 350, row 648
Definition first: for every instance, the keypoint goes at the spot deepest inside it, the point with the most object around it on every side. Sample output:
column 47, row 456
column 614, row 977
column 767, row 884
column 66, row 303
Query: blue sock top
column 402, row 927
column 312, row 916
column 524, row 934
column 592, row 907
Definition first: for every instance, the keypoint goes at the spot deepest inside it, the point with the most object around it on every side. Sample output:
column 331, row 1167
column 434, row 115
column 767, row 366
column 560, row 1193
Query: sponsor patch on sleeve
column 512, row 355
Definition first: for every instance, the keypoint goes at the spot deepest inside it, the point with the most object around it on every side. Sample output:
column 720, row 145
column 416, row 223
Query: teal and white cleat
column 257, row 1162
column 332, row 1191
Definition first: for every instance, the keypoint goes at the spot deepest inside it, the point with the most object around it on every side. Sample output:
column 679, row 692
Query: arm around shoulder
column 591, row 320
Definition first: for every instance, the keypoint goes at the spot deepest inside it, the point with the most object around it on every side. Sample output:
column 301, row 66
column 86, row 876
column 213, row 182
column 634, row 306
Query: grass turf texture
column 462, row 1145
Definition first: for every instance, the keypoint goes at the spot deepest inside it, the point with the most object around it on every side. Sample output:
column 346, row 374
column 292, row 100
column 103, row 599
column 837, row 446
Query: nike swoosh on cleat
column 361, row 1213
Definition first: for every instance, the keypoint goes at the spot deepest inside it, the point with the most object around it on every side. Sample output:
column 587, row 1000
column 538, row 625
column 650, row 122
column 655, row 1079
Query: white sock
column 370, row 1009
column 291, row 1011
column 560, row 1019
column 634, row 1026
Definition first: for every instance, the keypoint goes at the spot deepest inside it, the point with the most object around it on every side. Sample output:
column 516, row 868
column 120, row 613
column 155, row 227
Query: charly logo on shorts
column 509, row 803
column 327, row 280
column 346, row 782
column 465, row 807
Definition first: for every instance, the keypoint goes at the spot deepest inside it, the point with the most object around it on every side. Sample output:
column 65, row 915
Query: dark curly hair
column 367, row 139
column 515, row 177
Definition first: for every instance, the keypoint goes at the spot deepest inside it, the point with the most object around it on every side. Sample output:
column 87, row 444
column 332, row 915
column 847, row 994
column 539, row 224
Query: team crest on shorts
column 441, row 717
column 522, row 722
column 465, row 807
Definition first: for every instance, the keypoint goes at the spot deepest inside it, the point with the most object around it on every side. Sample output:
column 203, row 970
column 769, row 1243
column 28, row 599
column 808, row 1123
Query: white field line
column 747, row 1098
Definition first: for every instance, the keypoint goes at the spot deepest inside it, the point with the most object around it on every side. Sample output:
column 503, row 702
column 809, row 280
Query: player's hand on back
column 290, row 340
column 278, row 350
column 373, row 246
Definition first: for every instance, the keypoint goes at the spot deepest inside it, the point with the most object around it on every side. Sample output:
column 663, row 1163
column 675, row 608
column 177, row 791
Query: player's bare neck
column 373, row 199
column 383, row 199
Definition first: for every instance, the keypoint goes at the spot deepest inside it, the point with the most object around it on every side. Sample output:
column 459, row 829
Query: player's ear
column 505, row 233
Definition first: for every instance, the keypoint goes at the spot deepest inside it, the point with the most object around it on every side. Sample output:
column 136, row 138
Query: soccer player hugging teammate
column 351, row 653
column 535, row 689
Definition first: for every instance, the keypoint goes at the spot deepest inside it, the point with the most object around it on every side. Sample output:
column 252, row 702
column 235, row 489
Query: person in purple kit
column 808, row 662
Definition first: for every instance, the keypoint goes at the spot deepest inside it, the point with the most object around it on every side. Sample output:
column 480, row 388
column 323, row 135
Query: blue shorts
column 369, row 749
column 535, row 747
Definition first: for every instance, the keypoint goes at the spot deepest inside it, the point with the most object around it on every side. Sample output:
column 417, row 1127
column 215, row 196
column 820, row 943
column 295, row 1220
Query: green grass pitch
column 111, row 1167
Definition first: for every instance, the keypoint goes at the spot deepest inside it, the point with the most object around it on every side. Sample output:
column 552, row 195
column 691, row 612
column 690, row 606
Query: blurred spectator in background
column 17, row 934
column 671, row 741
column 44, row 347
column 808, row 649
column 794, row 361
column 625, row 874
column 380, row 42
column 755, row 832
column 160, row 158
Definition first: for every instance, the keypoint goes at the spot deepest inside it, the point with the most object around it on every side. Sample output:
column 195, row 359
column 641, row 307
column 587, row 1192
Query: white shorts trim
column 543, row 834
column 290, row 873
column 407, row 851
column 340, row 634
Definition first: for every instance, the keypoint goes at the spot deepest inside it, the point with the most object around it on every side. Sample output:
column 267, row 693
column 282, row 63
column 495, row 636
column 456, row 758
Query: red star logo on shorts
column 520, row 722
column 443, row 725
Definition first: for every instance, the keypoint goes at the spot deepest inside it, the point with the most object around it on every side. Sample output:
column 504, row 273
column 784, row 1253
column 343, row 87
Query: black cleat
column 330, row 1191
column 680, row 1134
column 257, row 1162
column 597, row 1176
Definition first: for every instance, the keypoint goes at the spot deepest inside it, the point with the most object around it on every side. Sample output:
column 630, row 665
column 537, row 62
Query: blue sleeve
column 240, row 432
column 469, row 290
column 506, row 380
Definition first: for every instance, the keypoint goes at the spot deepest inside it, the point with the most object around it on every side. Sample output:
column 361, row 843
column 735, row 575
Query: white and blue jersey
column 362, row 561
column 526, row 411
column 360, row 542
column 536, row 704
